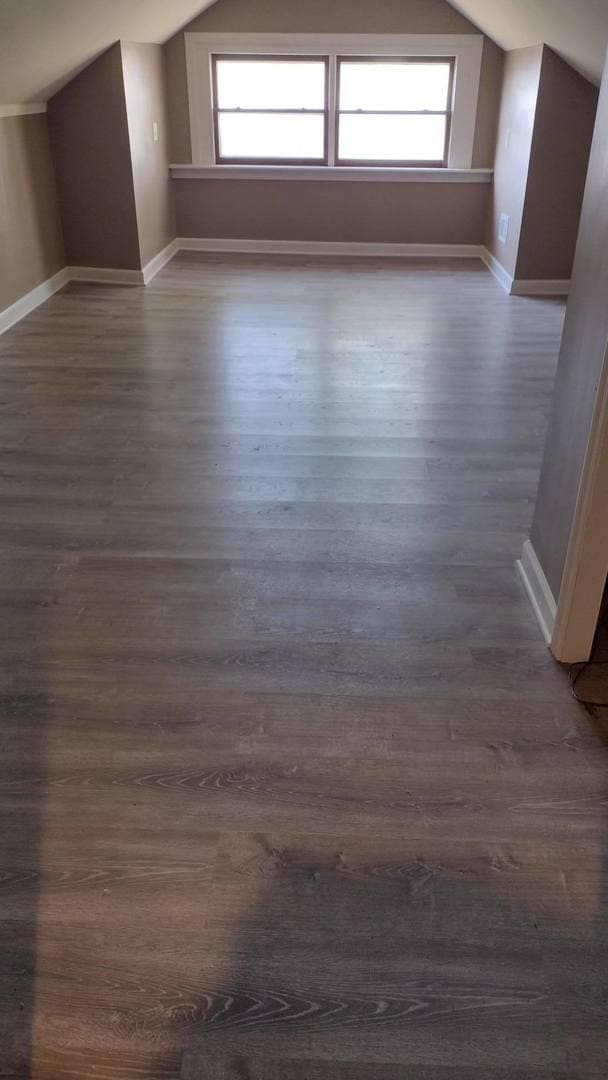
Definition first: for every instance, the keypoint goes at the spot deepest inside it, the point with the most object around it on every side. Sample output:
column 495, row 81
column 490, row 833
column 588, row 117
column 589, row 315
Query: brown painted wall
column 563, row 131
column 488, row 106
column 145, row 99
column 180, row 148
column 544, row 137
column 31, row 241
column 339, row 16
column 513, row 150
column 292, row 17
column 332, row 210
column 581, row 358
column 90, row 141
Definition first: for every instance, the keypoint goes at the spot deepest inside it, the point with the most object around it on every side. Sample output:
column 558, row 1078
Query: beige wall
column 91, row 151
column 488, row 106
column 145, row 99
column 293, row 17
column 563, row 131
column 581, row 359
column 544, row 137
column 513, row 150
column 31, row 242
column 332, row 210
column 180, row 148
column 339, row 16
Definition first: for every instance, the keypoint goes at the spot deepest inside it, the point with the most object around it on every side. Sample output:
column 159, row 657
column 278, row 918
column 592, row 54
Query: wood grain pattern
column 291, row 790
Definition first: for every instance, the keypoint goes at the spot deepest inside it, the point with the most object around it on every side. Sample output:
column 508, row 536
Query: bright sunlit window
column 270, row 109
column 394, row 111
column 385, row 111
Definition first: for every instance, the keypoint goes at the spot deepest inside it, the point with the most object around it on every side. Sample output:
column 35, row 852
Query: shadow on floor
column 431, row 969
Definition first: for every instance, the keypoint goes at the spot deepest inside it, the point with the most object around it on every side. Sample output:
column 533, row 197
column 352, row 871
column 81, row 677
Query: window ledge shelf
column 374, row 174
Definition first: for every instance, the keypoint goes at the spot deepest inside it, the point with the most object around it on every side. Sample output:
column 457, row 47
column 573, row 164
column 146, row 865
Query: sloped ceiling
column 44, row 43
column 576, row 29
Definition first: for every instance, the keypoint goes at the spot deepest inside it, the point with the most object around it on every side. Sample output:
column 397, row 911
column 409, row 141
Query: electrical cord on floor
column 576, row 673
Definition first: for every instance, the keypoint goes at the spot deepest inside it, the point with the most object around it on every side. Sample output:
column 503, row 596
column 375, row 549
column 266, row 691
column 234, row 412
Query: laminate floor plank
column 291, row 787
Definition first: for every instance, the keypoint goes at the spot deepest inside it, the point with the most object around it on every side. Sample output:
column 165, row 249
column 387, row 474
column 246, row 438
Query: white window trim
column 466, row 48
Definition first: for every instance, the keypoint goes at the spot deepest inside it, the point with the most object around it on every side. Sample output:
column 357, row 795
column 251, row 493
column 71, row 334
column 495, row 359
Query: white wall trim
column 105, row 275
column 156, row 264
column 109, row 276
column 538, row 287
column 32, row 299
column 520, row 286
column 322, row 247
column 586, row 566
column 331, row 172
column 497, row 270
column 538, row 590
column 22, row 110
column 466, row 48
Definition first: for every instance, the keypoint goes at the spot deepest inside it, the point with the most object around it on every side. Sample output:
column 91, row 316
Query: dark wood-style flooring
column 291, row 787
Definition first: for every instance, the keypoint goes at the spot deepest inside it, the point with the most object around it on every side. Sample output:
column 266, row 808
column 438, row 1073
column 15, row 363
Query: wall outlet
column 503, row 228
column 155, row 131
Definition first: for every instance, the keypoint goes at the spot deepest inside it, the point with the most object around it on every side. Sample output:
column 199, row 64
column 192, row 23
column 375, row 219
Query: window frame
column 398, row 163
column 261, row 58
column 467, row 50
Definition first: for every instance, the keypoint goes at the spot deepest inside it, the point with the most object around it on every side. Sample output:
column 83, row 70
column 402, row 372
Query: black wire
column 576, row 673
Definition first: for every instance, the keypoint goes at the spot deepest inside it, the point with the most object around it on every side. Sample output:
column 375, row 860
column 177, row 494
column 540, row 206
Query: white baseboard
column 156, row 264
column 538, row 590
column 497, row 270
column 102, row 275
column 520, row 287
column 33, row 299
column 28, row 303
column 322, row 247
column 105, row 275
column 109, row 276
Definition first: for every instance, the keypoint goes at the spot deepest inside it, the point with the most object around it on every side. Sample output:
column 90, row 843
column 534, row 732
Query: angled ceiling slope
column 576, row 29
column 44, row 43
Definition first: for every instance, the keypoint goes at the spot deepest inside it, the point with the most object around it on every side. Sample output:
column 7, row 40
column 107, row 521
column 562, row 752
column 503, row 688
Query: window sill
column 325, row 172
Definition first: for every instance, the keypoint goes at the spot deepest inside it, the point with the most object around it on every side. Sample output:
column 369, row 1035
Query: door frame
column 586, row 566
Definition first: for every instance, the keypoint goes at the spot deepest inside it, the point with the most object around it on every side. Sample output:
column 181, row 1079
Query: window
column 332, row 104
column 270, row 109
column 394, row 111
column 274, row 110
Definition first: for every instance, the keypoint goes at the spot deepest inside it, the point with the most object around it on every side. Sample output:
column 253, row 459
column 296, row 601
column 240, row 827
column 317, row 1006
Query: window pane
column 392, row 138
column 406, row 87
column 270, row 84
column 264, row 135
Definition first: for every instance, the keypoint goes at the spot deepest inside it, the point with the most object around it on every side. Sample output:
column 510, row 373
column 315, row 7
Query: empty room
column 304, row 540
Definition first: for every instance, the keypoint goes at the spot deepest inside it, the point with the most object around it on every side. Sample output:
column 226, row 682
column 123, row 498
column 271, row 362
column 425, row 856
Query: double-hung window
column 394, row 111
column 314, row 102
column 384, row 111
column 270, row 109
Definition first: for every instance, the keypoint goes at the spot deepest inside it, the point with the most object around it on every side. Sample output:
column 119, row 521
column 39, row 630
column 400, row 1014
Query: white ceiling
column 44, row 43
column 576, row 29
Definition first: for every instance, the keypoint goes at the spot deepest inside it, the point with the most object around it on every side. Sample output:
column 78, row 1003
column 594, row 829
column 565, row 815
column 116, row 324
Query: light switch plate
column 503, row 228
